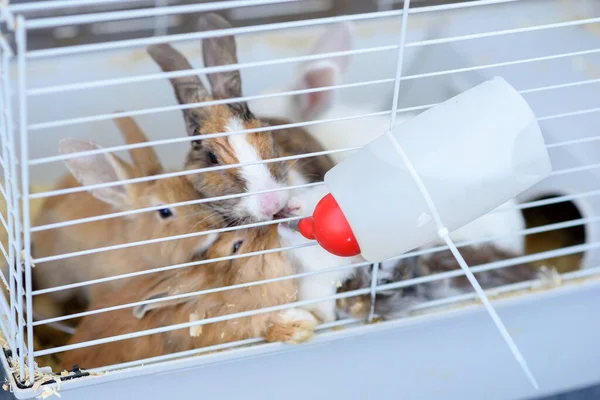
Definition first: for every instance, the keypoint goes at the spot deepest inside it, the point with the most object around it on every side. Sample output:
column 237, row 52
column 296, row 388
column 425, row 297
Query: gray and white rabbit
column 399, row 302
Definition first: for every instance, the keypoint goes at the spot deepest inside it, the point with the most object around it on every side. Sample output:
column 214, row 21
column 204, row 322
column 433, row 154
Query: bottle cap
column 329, row 227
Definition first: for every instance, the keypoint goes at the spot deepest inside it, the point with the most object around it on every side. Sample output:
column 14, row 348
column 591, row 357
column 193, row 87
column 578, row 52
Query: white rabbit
column 326, row 105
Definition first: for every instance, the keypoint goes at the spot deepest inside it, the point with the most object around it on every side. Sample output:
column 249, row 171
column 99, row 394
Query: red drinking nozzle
column 329, row 227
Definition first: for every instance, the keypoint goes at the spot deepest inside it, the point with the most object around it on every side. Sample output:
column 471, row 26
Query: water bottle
column 471, row 154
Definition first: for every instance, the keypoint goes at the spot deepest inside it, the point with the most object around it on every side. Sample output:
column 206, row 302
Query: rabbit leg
column 547, row 278
column 291, row 326
column 319, row 286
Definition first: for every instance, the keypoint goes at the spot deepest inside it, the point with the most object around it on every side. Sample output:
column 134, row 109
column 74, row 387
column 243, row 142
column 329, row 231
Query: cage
column 70, row 67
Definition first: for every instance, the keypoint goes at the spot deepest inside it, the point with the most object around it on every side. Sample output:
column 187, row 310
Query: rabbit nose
column 270, row 203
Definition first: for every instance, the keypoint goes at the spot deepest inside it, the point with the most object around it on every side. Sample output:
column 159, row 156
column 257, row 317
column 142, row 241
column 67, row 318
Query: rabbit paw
column 292, row 326
column 354, row 307
column 324, row 312
column 547, row 278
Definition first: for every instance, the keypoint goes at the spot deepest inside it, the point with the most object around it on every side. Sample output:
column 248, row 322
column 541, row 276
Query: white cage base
column 454, row 355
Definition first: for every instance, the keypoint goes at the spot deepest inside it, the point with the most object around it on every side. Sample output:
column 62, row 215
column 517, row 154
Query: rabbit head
column 105, row 168
column 314, row 74
column 326, row 72
column 227, row 271
column 225, row 150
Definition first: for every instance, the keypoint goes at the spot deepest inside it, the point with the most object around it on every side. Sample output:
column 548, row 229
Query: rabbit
column 167, row 221
column 327, row 104
column 505, row 222
column 291, row 325
column 240, row 148
column 398, row 303
column 314, row 258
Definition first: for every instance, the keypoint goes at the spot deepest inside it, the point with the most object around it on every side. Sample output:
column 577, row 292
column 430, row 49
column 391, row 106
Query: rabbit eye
column 212, row 158
column 165, row 213
column 237, row 245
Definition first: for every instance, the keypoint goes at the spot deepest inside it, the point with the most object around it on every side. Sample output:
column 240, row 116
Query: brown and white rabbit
column 167, row 221
column 397, row 303
column 237, row 148
column 291, row 325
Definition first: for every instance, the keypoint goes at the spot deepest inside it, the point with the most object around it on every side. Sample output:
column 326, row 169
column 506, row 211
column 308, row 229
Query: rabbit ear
column 325, row 72
column 140, row 311
column 144, row 158
column 337, row 37
column 98, row 168
column 188, row 89
column 170, row 285
column 222, row 51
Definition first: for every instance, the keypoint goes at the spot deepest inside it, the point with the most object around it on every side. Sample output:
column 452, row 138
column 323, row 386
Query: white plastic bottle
column 385, row 205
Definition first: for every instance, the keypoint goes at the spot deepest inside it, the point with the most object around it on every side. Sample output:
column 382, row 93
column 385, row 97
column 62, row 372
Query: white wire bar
column 170, row 205
column 582, row 168
column 504, row 32
column 572, row 142
column 57, row 4
column 536, row 203
column 53, row 22
column 8, row 151
column 17, row 321
column 570, row 114
column 393, row 112
column 21, row 39
column 497, row 291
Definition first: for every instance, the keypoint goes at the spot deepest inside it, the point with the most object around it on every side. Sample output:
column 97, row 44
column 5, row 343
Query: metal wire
column 55, row 4
column 21, row 38
column 8, row 153
column 53, row 22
